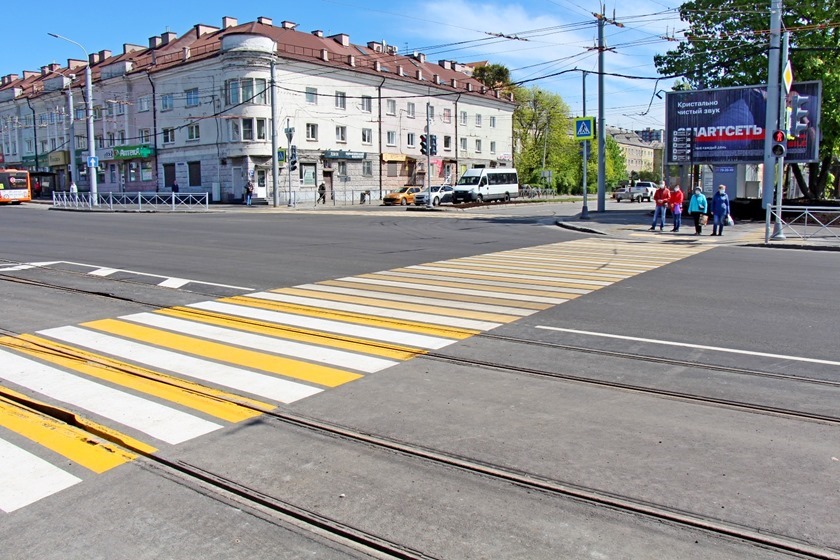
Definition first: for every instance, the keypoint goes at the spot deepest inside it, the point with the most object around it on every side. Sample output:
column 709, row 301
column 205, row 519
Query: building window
column 145, row 136
column 431, row 109
column 492, row 147
column 121, row 137
column 193, row 132
column 246, row 90
column 312, row 95
column 478, row 120
column 168, row 135
column 492, row 122
column 195, row 173
column 463, row 117
column 120, row 107
column 391, row 138
column 447, row 143
column 247, row 129
column 143, row 104
column 391, row 107
column 307, row 174
column 410, row 139
column 311, row 131
column 464, row 144
column 342, row 168
column 261, row 129
column 30, row 146
column 53, row 144
column 393, row 169
column 367, row 104
column 235, row 128
column 340, row 100
column 367, row 136
column 410, row 110
column 100, row 142
column 167, row 102
column 261, row 96
column 478, row 146
column 145, row 170
column 247, row 86
column 367, row 168
column 192, row 97
column 97, row 113
column 80, row 115
column 447, row 116
column 341, row 134
column 112, row 140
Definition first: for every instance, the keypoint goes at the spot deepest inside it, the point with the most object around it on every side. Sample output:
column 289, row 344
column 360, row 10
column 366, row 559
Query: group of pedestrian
column 698, row 207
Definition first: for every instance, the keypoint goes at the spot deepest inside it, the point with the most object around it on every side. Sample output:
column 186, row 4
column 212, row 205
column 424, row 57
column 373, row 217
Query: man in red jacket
column 661, row 197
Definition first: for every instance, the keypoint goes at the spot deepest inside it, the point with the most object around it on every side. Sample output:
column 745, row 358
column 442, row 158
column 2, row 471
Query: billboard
column 726, row 125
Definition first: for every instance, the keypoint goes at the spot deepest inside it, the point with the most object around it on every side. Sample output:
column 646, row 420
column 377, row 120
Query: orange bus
column 14, row 186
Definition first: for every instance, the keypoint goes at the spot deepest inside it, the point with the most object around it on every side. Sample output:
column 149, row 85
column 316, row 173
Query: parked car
column 402, row 197
column 440, row 194
column 642, row 190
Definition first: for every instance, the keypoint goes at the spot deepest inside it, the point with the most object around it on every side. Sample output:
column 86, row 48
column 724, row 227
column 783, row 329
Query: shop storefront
column 132, row 167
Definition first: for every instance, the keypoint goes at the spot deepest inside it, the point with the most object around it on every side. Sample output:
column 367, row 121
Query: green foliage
column 494, row 76
column 727, row 46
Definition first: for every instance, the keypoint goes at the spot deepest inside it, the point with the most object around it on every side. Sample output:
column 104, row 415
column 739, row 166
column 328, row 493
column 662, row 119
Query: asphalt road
column 680, row 404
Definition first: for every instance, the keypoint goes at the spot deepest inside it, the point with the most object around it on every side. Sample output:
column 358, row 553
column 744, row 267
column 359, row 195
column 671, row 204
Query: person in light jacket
column 720, row 210
column 696, row 208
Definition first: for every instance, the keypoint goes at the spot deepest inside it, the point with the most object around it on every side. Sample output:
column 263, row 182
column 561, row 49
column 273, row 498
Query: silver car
column 440, row 194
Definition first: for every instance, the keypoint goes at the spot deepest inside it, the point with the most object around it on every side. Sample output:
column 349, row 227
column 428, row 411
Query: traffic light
column 779, row 147
column 424, row 147
column 799, row 114
column 293, row 159
column 433, row 145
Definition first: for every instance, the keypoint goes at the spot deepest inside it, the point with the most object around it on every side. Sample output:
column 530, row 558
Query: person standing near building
column 175, row 188
column 661, row 197
column 249, row 193
column 697, row 209
column 322, row 194
column 676, row 207
column 720, row 210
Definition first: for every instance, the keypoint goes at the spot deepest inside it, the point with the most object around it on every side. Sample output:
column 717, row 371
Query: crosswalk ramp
column 101, row 393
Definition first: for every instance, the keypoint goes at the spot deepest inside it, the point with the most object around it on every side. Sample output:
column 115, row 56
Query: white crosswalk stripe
column 25, row 478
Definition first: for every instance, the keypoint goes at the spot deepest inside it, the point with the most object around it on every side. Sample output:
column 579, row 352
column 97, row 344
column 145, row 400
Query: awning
column 394, row 157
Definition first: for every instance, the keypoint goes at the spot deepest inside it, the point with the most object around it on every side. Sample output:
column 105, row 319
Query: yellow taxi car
column 403, row 197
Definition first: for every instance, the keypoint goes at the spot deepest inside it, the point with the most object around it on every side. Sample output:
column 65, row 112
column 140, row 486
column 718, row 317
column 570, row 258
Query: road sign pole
column 584, row 213
column 275, row 164
column 780, row 162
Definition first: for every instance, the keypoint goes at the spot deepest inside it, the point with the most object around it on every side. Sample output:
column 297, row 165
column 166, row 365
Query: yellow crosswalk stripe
column 498, row 277
column 489, row 300
column 278, row 365
column 478, row 288
column 517, row 271
column 372, row 301
column 192, row 395
column 294, row 333
column 454, row 333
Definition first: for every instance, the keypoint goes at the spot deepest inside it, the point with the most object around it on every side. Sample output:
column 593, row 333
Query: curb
column 573, row 227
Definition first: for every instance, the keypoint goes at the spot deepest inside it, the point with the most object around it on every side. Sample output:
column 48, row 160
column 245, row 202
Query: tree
column 727, row 46
column 494, row 76
column 614, row 165
column 542, row 132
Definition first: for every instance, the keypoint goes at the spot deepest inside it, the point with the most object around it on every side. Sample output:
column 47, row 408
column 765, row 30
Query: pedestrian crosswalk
column 138, row 383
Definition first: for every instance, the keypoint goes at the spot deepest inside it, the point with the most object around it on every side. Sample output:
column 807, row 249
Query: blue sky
column 543, row 37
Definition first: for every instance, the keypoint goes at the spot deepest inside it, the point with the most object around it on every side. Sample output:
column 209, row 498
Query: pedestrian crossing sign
column 585, row 128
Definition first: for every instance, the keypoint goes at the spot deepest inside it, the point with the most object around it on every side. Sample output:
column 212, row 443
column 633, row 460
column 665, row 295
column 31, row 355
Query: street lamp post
column 91, row 139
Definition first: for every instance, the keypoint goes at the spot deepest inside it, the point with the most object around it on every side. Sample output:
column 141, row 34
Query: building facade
column 638, row 154
column 197, row 109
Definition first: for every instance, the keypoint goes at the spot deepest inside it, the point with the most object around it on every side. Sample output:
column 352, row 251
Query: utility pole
column 602, row 165
column 428, row 157
column 275, row 173
column 71, row 165
column 778, row 233
column 584, row 213
column 773, row 71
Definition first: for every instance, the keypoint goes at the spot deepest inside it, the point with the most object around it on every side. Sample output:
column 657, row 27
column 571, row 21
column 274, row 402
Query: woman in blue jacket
column 720, row 210
column 696, row 208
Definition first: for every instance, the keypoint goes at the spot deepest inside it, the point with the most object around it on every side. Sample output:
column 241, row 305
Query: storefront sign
column 57, row 158
column 133, row 152
column 343, row 154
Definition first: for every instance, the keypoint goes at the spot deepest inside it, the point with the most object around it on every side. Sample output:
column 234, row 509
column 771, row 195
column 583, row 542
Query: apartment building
column 197, row 109
column 638, row 154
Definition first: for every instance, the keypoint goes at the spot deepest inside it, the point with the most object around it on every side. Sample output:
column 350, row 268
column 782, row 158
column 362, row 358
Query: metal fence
column 803, row 222
column 138, row 201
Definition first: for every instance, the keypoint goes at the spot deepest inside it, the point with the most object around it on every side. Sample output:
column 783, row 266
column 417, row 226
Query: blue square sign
column 585, row 128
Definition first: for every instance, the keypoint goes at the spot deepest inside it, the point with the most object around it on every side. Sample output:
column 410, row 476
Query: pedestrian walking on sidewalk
column 697, row 209
column 720, row 210
column 249, row 193
column 661, row 197
column 676, row 201
column 322, row 194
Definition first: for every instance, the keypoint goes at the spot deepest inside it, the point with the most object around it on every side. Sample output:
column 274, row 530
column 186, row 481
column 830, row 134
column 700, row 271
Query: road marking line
column 175, row 283
column 314, row 373
column 374, row 300
column 266, row 386
column 159, row 421
column 521, row 271
column 266, row 301
column 530, row 279
column 104, row 272
column 502, row 293
column 262, row 343
column 452, row 295
column 255, row 309
column 167, row 387
column 422, row 277
column 73, row 443
column 380, row 312
column 26, row 478
column 420, row 297
column 696, row 346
